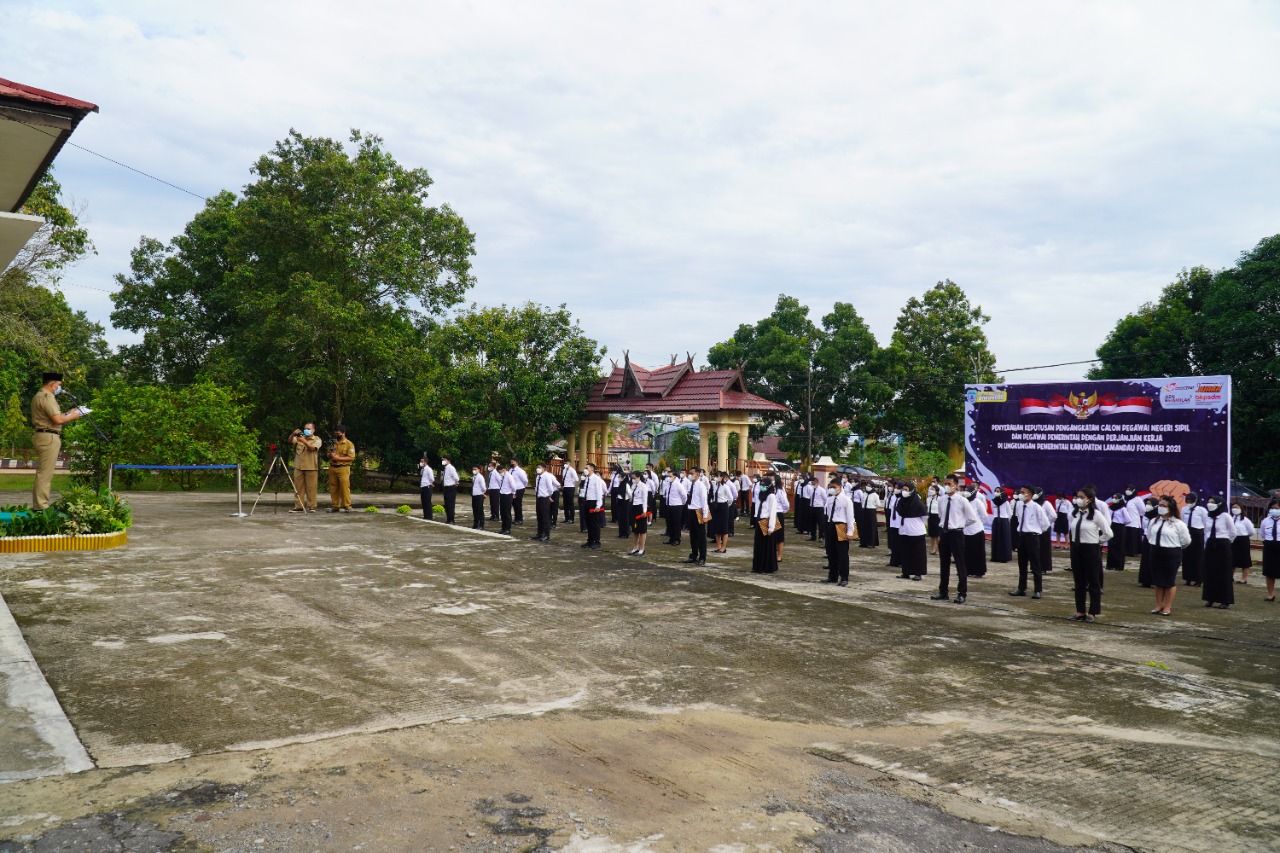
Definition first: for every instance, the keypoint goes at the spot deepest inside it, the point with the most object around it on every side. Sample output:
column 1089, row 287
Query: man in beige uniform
column 306, row 467
column 48, row 419
column 340, row 459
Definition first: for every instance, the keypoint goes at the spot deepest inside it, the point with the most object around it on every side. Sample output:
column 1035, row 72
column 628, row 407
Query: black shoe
column 959, row 599
column 539, row 538
column 904, row 577
column 704, row 562
column 915, row 577
column 843, row 583
column 828, row 580
column 1035, row 596
column 335, row 509
column 690, row 560
column 585, row 545
column 1019, row 592
column 939, row 597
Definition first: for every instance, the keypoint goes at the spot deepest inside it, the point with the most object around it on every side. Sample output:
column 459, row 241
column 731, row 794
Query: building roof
column 34, row 124
column 675, row 389
column 622, row 442
column 768, row 445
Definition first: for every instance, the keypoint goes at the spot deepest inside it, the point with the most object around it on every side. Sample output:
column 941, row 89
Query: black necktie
column 1213, row 527
column 1079, row 521
column 1159, row 530
column 946, row 522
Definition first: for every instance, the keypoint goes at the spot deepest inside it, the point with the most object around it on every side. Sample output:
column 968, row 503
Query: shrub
column 371, row 509
column 80, row 511
column 437, row 509
column 404, row 509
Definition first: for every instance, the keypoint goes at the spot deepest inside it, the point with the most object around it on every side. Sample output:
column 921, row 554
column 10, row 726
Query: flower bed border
column 63, row 542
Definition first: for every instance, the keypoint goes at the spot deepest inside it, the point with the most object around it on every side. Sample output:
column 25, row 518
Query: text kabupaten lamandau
column 1107, row 438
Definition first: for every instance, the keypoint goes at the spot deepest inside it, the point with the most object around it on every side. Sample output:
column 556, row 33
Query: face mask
column 1274, row 513
column 906, row 492
column 1211, row 506
column 306, row 432
column 1128, row 493
column 57, row 390
column 1022, row 498
column 832, row 491
column 1235, row 510
column 1038, row 495
column 475, row 473
column 949, row 489
column 1080, row 502
column 1162, row 510
column 539, row 470
column 868, row 490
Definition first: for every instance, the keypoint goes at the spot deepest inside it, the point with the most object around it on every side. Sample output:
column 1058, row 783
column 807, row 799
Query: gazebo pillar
column 590, row 432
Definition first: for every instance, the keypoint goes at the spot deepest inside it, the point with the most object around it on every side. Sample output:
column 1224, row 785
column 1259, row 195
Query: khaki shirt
column 43, row 407
column 306, row 453
column 343, row 448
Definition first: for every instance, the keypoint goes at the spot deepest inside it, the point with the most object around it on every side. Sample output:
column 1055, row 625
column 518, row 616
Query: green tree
column 501, row 380
column 823, row 375
column 1209, row 323
column 14, row 430
column 684, row 446
column 199, row 424
column 38, row 329
column 938, row 345
column 306, row 291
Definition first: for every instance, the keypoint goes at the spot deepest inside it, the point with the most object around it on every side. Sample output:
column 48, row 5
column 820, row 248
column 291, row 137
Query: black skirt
column 764, row 554
column 780, row 535
column 935, row 525
column 1241, row 553
column 914, row 554
column 1144, row 564
column 639, row 519
column 1218, row 588
column 1001, row 541
column 1271, row 560
column 1060, row 523
column 1193, row 557
column 1165, row 562
column 975, row 554
column 720, row 521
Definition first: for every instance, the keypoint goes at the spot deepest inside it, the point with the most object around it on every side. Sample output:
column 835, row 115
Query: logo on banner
column 975, row 396
column 1085, row 405
column 1192, row 395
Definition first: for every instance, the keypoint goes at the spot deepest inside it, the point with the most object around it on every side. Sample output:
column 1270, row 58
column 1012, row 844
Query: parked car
column 784, row 467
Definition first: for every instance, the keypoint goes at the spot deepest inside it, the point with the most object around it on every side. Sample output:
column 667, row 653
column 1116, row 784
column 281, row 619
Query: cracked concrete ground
column 383, row 683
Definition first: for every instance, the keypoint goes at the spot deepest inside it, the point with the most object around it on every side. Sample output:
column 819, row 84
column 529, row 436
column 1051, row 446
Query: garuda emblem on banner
column 1083, row 406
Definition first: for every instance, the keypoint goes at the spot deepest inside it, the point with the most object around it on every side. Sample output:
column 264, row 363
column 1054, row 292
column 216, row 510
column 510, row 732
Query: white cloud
column 667, row 170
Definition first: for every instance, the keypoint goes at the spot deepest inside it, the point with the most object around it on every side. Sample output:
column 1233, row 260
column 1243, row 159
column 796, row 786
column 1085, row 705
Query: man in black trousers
column 954, row 512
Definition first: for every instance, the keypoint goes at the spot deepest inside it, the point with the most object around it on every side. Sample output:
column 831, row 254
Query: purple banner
column 1166, row 436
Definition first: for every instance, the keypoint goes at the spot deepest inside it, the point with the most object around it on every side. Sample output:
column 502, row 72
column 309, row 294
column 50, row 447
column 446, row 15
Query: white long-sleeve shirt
column 594, row 489
column 1134, row 510
column 1030, row 518
column 842, row 510
column 478, row 484
column 449, row 476
column 1269, row 528
column 1089, row 531
column 546, row 485
column 677, row 493
column 1195, row 517
column 428, row 477
column 955, row 512
column 569, row 477
column 767, row 510
column 1220, row 526
column 1168, row 532
column 1244, row 527
column 698, row 495
column 495, row 479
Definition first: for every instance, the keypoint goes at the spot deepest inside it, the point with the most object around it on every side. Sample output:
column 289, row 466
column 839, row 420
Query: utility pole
column 808, row 427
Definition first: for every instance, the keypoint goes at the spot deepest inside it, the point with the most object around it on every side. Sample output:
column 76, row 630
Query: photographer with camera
column 306, row 466
column 341, row 454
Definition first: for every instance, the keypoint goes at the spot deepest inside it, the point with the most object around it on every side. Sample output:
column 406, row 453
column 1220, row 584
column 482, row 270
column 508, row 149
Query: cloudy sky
column 668, row 168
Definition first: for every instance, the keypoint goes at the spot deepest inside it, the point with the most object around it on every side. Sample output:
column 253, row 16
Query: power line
column 108, row 159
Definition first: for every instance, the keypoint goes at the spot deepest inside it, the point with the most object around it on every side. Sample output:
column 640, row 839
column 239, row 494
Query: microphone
column 63, row 392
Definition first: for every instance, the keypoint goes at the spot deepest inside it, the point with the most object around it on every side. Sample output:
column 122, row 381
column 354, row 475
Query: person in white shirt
column 867, row 526
column 426, row 481
column 1062, row 507
column 651, row 484
column 1031, row 524
column 780, row 496
column 1134, row 507
column 892, row 522
column 1242, row 545
column 507, row 487
column 545, row 489
column 699, row 513
column 733, row 507
column 1144, row 550
column 1269, row 530
column 449, row 485
column 1087, row 529
column 764, row 518
column 1050, row 513
column 1118, row 515
column 479, row 486
column 912, row 531
column 723, row 500
column 1219, row 534
column 1002, row 526
column 931, row 504
column 677, row 498
column 495, row 490
column 593, row 495
column 818, row 509
column 1196, row 520
column 975, row 535
column 1169, row 537
column 639, row 511
column 583, row 520
column 744, row 494
column 955, row 513
column 519, row 482
column 841, row 514
column 569, row 480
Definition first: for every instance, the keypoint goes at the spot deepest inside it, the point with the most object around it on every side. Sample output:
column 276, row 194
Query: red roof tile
column 675, row 389
column 10, row 89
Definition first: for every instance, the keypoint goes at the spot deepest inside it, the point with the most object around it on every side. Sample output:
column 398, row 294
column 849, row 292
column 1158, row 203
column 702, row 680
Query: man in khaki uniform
column 340, row 459
column 48, row 419
column 306, row 467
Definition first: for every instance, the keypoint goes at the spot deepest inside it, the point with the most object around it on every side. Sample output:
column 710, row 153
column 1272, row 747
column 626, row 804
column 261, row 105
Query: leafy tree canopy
column 501, row 380
column 828, row 371
column 306, row 291
column 938, row 345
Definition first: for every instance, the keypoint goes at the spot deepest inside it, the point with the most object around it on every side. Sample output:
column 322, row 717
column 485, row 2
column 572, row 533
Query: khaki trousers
column 305, row 498
column 47, row 446
column 340, row 487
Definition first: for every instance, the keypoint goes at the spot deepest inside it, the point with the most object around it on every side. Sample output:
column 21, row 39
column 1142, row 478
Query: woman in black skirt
column 911, row 534
column 1087, row 529
column 1115, row 548
column 935, row 521
column 1242, row 545
column 1168, row 536
column 1270, row 530
column 1144, row 547
column 1219, row 533
column 1196, row 520
column 722, row 501
column 975, row 536
column 764, row 556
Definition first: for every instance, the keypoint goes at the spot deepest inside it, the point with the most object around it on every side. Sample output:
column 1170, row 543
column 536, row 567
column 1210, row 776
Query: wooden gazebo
column 719, row 398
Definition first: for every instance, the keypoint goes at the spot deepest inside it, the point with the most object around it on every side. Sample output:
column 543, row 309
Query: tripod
column 276, row 458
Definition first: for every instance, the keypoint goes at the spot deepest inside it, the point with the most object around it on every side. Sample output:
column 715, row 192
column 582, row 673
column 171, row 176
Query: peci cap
column 340, row 428
column 47, row 377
